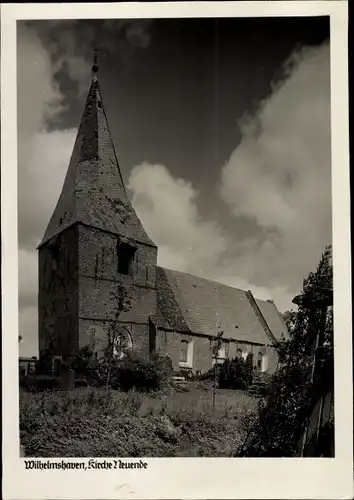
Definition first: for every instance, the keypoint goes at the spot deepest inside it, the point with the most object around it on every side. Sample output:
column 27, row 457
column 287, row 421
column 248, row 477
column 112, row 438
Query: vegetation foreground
column 91, row 422
column 138, row 413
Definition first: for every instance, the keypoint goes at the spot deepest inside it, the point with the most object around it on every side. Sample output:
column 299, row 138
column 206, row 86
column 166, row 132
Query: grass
column 90, row 422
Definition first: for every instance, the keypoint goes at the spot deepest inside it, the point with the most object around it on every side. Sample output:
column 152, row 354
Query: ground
column 90, row 422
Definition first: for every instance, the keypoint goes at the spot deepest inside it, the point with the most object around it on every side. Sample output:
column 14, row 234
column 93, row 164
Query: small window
column 260, row 361
column 239, row 353
column 126, row 255
column 184, row 351
column 222, row 352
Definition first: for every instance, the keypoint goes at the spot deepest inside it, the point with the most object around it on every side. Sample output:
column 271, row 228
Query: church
column 95, row 243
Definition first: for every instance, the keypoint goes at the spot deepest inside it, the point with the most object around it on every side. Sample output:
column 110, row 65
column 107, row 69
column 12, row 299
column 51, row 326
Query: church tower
column 94, row 243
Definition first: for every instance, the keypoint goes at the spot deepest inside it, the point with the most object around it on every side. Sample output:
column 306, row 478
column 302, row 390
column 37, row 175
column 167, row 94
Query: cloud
column 42, row 163
column 70, row 43
column 28, row 316
column 39, row 96
column 168, row 209
column 279, row 175
column 41, row 172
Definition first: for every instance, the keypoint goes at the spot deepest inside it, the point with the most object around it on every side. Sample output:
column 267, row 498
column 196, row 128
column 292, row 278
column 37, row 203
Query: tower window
column 126, row 255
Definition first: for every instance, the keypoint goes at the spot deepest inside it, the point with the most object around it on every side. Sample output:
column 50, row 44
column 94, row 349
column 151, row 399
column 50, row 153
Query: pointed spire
column 93, row 192
column 95, row 66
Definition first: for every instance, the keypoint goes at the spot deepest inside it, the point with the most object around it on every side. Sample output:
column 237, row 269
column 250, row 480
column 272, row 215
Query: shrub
column 39, row 383
column 81, row 382
column 281, row 418
column 44, row 365
column 233, row 374
column 209, row 375
column 81, row 364
column 249, row 369
column 142, row 374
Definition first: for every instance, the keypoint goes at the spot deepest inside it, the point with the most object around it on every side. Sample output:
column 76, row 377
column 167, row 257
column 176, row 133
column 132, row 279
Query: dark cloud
column 71, row 43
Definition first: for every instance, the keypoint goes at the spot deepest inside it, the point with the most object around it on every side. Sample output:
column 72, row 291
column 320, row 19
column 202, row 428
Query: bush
column 44, row 365
column 39, row 383
column 209, row 375
column 249, row 369
column 81, row 364
column 233, row 374
column 281, row 419
column 135, row 372
column 81, row 382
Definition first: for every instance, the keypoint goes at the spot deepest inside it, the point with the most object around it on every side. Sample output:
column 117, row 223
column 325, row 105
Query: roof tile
column 208, row 307
column 93, row 192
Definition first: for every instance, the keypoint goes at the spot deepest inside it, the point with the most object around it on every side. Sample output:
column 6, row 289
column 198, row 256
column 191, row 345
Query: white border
column 183, row 478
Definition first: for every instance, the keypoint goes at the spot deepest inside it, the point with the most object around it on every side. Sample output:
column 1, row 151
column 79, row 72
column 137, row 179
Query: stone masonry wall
column 94, row 335
column 169, row 342
column 58, row 293
column 99, row 278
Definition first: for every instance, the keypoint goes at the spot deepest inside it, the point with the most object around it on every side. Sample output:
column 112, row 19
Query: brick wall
column 93, row 333
column 98, row 281
column 169, row 342
column 58, row 293
column 78, row 275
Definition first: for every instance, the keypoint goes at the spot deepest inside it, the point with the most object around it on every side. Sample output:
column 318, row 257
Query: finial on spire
column 95, row 65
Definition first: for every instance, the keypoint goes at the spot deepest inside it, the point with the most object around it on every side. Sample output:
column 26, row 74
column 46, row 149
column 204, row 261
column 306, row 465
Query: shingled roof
column 273, row 318
column 93, row 192
column 197, row 305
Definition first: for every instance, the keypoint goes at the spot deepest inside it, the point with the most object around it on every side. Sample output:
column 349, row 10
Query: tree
column 234, row 374
column 216, row 344
column 122, row 304
column 289, row 318
column 280, row 419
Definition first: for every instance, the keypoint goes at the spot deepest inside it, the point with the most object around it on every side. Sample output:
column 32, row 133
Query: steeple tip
column 95, row 65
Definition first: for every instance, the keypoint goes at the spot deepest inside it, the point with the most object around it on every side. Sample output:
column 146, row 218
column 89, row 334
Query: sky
column 222, row 132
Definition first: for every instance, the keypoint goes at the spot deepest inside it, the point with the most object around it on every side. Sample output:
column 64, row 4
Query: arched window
column 56, row 365
column 121, row 343
column 260, row 361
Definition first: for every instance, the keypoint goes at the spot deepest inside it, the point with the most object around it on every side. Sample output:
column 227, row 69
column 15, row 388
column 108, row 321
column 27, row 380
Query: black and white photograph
column 176, row 249
column 174, row 191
